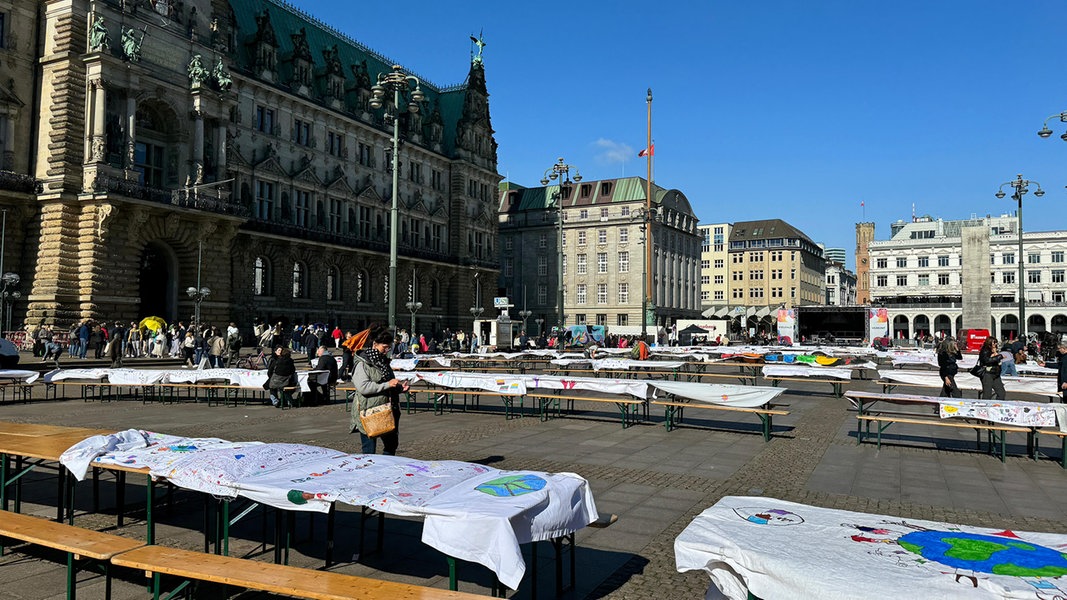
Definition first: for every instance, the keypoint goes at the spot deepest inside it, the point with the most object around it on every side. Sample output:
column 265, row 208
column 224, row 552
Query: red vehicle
column 971, row 340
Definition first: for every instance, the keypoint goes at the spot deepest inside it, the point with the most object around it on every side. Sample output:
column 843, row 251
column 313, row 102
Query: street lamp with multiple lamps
column 1021, row 187
column 477, row 309
column 1046, row 132
column 198, row 295
column 396, row 81
column 413, row 307
column 562, row 171
column 539, row 321
column 646, row 216
column 8, row 298
column 525, row 314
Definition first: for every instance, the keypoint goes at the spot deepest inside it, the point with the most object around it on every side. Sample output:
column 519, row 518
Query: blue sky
column 794, row 109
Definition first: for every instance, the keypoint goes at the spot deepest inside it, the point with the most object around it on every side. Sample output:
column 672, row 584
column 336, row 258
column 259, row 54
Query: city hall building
column 156, row 146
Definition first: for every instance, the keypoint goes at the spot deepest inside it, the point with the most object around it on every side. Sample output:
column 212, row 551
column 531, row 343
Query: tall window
column 261, row 277
column 580, row 295
column 299, row 280
column 333, row 284
column 542, row 265
column 148, row 161
column 601, row 262
column 602, row 235
column 624, row 235
column 601, row 293
column 624, row 293
column 303, row 207
column 302, row 132
column 362, row 293
column 581, row 264
column 264, row 199
column 335, row 215
column 581, row 238
column 542, row 295
column 624, row 262
column 542, row 240
column 265, row 119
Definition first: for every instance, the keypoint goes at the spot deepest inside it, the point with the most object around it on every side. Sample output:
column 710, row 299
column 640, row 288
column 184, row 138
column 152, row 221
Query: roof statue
column 480, row 42
column 131, row 46
column 197, row 72
column 222, row 76
column 99, row 40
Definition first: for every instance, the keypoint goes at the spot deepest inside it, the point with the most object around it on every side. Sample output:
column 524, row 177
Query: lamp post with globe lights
column 8, row 297
column 1021, row 187
column 561, row 171
column 198, row 295
column 398, row 82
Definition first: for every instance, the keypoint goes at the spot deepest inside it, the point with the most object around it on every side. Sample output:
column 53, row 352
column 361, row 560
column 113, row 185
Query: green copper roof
column 288, row 20
column 625, row 189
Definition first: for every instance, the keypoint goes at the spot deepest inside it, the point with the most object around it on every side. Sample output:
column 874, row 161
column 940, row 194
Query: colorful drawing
column 512, row 485
column 769, row 516
column 999, row 555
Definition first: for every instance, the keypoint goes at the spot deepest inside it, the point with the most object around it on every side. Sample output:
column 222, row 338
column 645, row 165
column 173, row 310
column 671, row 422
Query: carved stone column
column 97, row 150
column 131, row 131
column 198, row 147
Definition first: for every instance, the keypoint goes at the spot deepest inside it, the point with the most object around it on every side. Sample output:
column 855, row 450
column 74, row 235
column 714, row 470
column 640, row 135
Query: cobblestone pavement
column 655, row 481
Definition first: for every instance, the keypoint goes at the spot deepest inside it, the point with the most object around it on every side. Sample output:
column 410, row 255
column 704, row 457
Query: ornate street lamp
column 1021, row 187
column 396, row 81
column 539, row 321
column 561, row 171
column 413, row 307
column 646, row 216
column 8, row 298
column 198, row 295
column 1046, row 132
column 524, row 314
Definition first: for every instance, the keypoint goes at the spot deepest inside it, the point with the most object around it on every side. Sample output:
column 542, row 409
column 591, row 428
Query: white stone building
column 918, row 275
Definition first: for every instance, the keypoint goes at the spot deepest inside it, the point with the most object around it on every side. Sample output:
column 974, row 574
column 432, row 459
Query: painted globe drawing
column 512, row 485
column 999, row 555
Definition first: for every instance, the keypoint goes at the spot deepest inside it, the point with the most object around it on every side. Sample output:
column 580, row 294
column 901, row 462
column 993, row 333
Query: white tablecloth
column 777, row 549
column 242, row 377
column 472, row 512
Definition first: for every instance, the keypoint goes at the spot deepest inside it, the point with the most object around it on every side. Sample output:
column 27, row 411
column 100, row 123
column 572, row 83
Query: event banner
column 878, row 324
column 787, row 326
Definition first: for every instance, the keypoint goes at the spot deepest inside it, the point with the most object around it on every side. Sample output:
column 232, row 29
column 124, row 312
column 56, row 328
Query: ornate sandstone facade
column 232, row 145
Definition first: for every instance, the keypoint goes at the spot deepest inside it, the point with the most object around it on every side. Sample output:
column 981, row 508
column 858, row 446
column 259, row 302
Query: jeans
column 83, row 347
column 390, row 441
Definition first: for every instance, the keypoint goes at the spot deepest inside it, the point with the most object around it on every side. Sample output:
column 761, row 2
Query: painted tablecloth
column 470, row 511
column 1042, row 386
column 777, row 549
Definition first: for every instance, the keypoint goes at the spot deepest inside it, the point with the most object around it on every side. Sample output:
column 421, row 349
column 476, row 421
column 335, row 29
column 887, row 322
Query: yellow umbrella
column 153, row 323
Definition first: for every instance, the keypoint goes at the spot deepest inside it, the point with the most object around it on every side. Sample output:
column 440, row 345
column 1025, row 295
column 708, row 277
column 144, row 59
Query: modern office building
column 603, row 254
column 921, row 271
column 235, row 146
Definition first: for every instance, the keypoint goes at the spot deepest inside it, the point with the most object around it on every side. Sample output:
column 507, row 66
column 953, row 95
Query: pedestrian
column 96, row 342
column 947, row 368
column 188, row 348
column 1061, row 375
column 281, row 374
column 336, row 335
column 1007, row 362
column 375, row 385
column 115, row 352
column 216, row 347
column 233, row 346
column 320, row 392
column 989, row 359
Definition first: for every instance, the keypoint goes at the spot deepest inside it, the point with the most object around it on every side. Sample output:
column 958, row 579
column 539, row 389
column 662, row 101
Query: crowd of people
column 994, row 362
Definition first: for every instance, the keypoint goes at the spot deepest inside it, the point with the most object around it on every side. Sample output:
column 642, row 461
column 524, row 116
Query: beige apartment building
column 603, row 254
column 771, row 264
column 714, row 264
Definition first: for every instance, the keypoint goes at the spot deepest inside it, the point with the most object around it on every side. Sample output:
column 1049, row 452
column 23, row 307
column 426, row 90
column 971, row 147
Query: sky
column 792, row 109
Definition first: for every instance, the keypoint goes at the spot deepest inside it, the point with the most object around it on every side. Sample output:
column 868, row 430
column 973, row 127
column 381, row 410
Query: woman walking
column 947, row 368
column 376, row 385
column 989, row 359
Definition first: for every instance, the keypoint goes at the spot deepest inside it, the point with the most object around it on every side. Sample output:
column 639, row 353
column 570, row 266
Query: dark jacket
column 327, row 362
column 991, row 362
column 282, row 366
column 946, row 364
column 1061, row 377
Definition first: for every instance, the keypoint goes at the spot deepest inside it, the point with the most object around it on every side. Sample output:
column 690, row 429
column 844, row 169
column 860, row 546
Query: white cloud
column 611, row 152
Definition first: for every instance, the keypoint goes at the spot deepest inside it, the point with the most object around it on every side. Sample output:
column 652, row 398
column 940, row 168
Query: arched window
column 300, row 287
column 435, row 293
column 333, row 284
column 261, row 284
column 362, row 292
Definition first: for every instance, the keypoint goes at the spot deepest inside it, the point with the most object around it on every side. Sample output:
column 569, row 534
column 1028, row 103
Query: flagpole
column 649, row 151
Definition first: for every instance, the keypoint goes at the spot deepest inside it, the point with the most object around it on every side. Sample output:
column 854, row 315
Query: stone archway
column 1059, row 324
column 900, row 327
column 1009, row 327
column 158, row 278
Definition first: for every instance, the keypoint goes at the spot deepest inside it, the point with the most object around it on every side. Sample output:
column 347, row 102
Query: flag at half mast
column 650, row 151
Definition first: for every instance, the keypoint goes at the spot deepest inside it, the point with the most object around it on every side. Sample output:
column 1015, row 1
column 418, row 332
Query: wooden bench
column 156, row 561
column 628, row 407
column 673, row 413
column 996, row 432
column 90, row 548
column 1063, row 443
column 838, row 385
